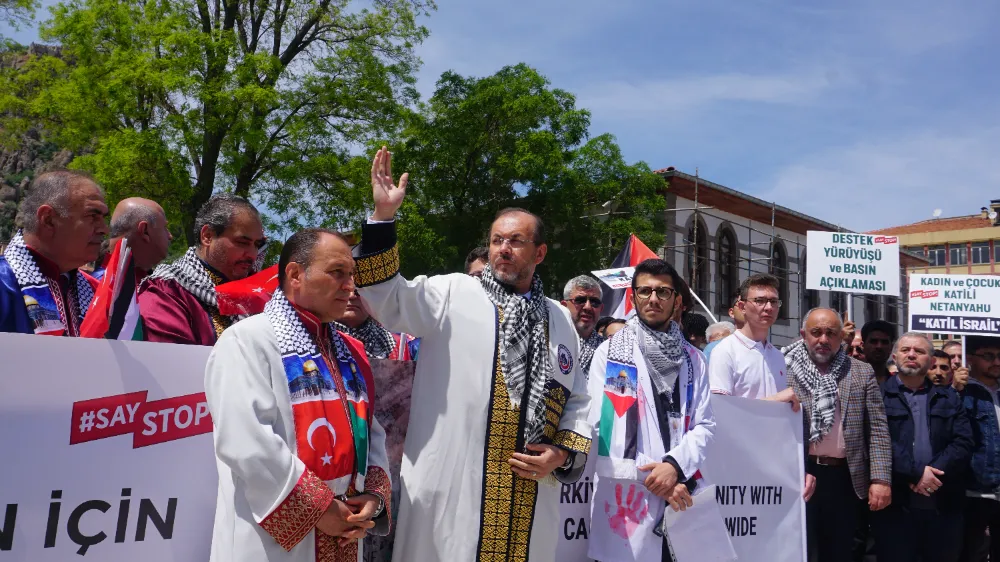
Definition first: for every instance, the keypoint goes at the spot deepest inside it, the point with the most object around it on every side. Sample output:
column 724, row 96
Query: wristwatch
column 381, row 506
column 570, row 457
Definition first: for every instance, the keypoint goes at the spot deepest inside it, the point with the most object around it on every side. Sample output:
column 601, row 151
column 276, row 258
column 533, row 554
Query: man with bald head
column 144, row 224
column 848, row 449
column 42, row 291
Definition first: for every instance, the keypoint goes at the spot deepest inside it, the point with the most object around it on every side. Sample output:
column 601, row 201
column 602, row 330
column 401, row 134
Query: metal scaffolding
column 699, row 259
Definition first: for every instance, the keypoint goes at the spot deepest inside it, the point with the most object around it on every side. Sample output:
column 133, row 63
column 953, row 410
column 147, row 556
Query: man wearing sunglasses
column 982, row 510
column 582, row 297
column 647, row 381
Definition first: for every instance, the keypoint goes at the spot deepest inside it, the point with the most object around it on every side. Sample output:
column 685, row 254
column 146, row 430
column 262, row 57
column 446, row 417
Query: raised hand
column 387, row 195
column 626, row 516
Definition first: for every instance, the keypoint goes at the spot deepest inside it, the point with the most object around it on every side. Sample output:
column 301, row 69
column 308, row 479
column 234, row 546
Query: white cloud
column 674, row 95
column 877, row 184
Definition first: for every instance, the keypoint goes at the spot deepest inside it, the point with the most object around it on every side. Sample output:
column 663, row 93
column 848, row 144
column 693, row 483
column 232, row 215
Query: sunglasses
column 582, row 301
column 988, row 357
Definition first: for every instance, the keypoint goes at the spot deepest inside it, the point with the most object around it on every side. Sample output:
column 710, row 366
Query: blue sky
column 865, row 114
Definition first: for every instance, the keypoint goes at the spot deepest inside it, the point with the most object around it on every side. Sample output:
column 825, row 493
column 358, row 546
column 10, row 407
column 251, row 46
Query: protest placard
column 852, row 263
column 955, row 304
column 619, row 278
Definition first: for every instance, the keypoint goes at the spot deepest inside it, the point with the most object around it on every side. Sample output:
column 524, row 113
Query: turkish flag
column 247, row 296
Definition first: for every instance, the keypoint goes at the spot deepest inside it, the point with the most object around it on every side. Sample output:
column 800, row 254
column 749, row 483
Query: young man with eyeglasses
column 746, row 364
column 582, row 297
column 982, row 404
column 653, row 422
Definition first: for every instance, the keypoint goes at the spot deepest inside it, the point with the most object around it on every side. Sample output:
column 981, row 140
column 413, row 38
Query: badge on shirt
column 565, row 359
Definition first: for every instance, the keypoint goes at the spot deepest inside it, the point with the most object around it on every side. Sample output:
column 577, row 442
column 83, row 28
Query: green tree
column 15, row 13
column 482, row 144
column 179, row 99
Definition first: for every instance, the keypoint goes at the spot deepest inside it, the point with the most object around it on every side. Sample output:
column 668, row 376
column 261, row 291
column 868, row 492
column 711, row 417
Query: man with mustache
column 303, row 471
column 379, row 342
column 646, row 381
column 63, row 223
column 931, row 446
column 940, row 370
column 982, row 404
column 499, row 407
column 848, row 450
column 582, row 297
column 178, row 303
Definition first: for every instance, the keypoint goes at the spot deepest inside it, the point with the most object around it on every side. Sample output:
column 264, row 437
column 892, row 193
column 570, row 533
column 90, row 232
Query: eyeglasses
column 762, row 301
column 988, row 357
column 582, row 301
column 662, row 293
column 516, row 242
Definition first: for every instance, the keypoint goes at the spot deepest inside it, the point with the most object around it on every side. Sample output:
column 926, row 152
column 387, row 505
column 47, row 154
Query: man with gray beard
column 848, row 449
column 931, row 447
column 582, row 297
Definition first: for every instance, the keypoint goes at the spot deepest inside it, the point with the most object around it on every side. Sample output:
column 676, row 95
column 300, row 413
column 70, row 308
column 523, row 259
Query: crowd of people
column 514, row 392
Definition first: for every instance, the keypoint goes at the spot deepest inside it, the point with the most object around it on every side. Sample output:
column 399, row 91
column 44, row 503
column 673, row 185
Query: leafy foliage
column 260, row 97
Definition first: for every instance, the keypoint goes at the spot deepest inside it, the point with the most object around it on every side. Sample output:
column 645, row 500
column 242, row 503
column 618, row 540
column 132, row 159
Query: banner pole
column 964, row 364
column 710, row 315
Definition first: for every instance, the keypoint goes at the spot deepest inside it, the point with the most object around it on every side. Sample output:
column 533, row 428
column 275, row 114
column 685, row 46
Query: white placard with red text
column 107, row 451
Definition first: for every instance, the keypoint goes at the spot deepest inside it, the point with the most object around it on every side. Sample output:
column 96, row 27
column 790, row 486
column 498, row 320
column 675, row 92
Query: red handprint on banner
column 626, row 518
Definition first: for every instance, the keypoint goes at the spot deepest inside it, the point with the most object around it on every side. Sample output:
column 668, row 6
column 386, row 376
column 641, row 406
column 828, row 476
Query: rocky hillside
column 32, row 156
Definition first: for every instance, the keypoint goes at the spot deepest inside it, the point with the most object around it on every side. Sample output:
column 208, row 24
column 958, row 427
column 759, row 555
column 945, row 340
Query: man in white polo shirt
column 745, row 364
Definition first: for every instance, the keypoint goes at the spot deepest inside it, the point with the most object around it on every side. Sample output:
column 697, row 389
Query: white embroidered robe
column 460, row 501
column 268, row 500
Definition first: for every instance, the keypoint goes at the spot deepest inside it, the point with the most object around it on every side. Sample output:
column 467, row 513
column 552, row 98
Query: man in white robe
column 302, row 465
column 652, row 420
column 499, row 403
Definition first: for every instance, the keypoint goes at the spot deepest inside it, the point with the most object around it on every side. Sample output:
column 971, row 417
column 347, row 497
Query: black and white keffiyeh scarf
column 49, row 314
column 378, row 341
column 524, row 353
column 587, row 348
column 663, row 351
column 190, row 273
column 822, row 387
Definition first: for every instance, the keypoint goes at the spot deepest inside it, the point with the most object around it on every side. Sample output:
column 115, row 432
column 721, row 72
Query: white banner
column 107, row 451
column 757, row 465
column 852, row 263
column 620, row 278
column 955, row 304
column 755, row 462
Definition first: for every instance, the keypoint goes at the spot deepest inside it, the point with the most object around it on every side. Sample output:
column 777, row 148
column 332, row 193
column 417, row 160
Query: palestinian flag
column 247, row 296
column 618, row 302
column 114, row 312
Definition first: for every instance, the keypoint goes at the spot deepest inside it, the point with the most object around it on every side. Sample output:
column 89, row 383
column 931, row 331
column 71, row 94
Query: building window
column 697, row 259
column 873, row 308
column 838, row 302
column 778, row 267
column 810, row 297
column 918, row 250
column 980, row 252
column 892, row 310
column 959, row 255
column 935, row 255
column 728, row 268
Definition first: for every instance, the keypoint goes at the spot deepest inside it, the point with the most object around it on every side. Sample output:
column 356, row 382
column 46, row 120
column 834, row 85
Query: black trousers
column 917, row 535
column 981, row 514
column 831, row 514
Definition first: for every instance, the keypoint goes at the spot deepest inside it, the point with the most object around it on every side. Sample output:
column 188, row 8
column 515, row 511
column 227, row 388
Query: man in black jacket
column 931, row 446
